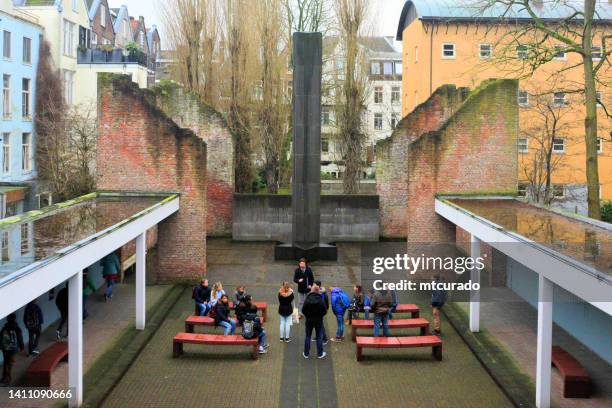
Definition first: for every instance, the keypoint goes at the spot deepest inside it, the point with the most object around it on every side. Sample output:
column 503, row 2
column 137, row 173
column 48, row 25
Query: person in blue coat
column 111, row 268
column 340, row 302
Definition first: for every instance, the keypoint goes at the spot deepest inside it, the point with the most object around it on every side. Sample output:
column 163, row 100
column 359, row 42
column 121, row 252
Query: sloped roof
column 466, row 10
column 120, row 13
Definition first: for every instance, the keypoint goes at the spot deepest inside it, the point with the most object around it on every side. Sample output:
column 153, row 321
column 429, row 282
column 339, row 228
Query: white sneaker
column 262, row 351
column 322, row 355
column 304, row 355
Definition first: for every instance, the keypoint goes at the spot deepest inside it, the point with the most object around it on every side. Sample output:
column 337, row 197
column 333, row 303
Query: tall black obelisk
column 306, row 180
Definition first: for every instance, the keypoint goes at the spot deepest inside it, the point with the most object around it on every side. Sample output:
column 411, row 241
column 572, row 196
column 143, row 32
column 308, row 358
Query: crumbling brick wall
column 391, row 154
column 208, row 124
column 473, row 152
column 141, row 149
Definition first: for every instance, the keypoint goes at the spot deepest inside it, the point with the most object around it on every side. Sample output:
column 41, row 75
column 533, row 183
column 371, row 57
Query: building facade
column 447, row 44
column 102, row 31
column 20, row 41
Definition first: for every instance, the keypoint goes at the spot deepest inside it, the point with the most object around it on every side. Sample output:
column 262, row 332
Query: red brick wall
column 391, row 153
column 141, row 149
column 188, row 112
column 473, row 152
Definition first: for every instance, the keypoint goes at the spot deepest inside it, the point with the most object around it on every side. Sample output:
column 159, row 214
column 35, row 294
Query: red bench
column 423, row 324
column 214, row 339
column 263, row 306
column 39, row 371
column 400, row 342
column 576, row 381
column 408, row 308
column 192, row 321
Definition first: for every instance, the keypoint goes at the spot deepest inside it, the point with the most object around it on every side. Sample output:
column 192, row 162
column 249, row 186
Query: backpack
column 346, row 301
column 31, row 319
column 213, row 312
column 249, row 326
column 193, row 292
column 9, row 340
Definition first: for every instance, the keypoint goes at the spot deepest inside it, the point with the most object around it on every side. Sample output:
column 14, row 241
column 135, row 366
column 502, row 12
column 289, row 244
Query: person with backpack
column 314, row 310
column 340, row 302
column 201, row 297
column 381, row 305
column 285, row 311
column 357, row 304
column 438, row 298
column 88, row 289
column 239, row 294
column 11, row 341
column 252, row 327
column 222, row 316
column 245, row 307
column 33, row 320
column 304, row 278
column 111, row 268
column 61, row 301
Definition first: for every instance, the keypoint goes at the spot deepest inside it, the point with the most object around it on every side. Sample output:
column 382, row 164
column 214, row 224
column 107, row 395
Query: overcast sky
column 386, row 13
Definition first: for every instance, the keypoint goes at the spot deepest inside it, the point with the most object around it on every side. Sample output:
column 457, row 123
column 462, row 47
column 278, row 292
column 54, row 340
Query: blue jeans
column 109, row 287
column 318, row 327
column 262, row 338
column 230, row 328
column 203, row 308
column 340, row 321
column 385, row 323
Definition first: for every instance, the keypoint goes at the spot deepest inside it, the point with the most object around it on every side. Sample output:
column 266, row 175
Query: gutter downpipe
column 431, row 60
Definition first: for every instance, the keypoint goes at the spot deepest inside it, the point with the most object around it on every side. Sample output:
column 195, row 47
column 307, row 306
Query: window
column 94, row 39
column 388, row 68
column 27, row 50
column 523, row 145
column 394, row 120
column 558, row 190
column 559, row 53
column 596, row 52
column 6, row 96
column 142, row 43
column 559, row 99
column 486, row 51
column 399, row 66
column 69, row 34
column 6, row 153
column 25, row 238
column 378, row 121
column 416, row 54
column 102, row 15
column 521, row 52
column 26, row 152
column 75, row 7
column 5, row 246
column 6, row 44
column 600, row 145
column 599, row 97
column 324, row 146
column 448, row 51
column 522, row 189
column 523, row 98
column 375, row 68
column 395, row 94
column 325, row 115
column 378, row 94
column 558, row 145
column 25, row 98
column 68, row 86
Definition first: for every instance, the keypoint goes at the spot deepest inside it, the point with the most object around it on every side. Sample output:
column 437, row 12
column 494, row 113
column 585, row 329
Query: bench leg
column 424, row 331
column 416, row 314
column 353, row 333
column 177, row 349
column 437, row 352
column 359, row 353
column 189, row 328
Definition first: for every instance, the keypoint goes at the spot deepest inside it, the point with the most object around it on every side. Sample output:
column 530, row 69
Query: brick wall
column 391, row 153
column 141, row 149
column 188, row 112
column 473, row 152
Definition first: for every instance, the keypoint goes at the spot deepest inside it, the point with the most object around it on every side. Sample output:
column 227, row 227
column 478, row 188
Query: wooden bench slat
column 38, row 373
column 576, row 380
column 192, row 321
column 213, row 339
column 421, row 323
column 399, row 342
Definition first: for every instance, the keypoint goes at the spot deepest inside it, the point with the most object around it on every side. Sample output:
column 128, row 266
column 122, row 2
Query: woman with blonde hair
column 216, row 293
column 285, row 310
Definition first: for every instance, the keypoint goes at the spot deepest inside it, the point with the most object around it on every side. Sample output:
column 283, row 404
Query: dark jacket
column 285, row 304
column 381, row 302
column 438, row 297
column 33, row 313
column 17, row 329
column 238, row 296
column 222, row 313
column 325, row 295
column 61, row 301
column 202, row 294
column 243, row 309
column 308, row 277
column 110, row 266
column 314, row 308
column 357, row 302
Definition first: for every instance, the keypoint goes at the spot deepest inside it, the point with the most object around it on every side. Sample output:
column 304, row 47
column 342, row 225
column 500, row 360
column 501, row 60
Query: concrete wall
column 141, row 149
column 260, row 217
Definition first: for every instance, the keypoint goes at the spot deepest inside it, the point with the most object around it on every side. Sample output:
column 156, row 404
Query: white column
column 141, row 253
column 543, row 369
column 474, row 294
column 75, row 339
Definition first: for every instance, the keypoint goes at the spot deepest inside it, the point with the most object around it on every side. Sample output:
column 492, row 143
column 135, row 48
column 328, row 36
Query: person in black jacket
column 33, row 320
column 11, row 341
column 222, row 312
column 245, row 307
column 61, row 301
column 202, row 298
column 314, row 309
column 304, row 278
column 285, row 310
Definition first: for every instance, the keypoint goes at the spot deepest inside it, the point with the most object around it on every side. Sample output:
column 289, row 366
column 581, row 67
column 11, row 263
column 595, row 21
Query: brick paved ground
column 217, row 376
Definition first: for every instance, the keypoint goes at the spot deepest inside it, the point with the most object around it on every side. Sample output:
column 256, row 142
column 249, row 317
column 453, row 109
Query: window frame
column 454, row 50
column 555, row 191
column 26, row 99
column 26, row 40
column 563, row 53
column 68, row 90
column 379, row 96
column 397, row 71
column 519, row 96
column 522, row 49
column 522, row 187
column 598, row 53
column 6, row 47
column 6, row 153
column 519, row 145
column 325, row 116
column 385, row 65
column 7, row 103
column 377, row 65
column 480, row 49
column 378, row 121
column 69, row 44
column 396, row 95
column 556, row 143
column 556, row 102
column 102, row 15
column 600, row 143
column 26, row 152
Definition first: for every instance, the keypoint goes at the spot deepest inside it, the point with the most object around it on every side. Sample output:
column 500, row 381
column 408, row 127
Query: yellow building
column 453, row 42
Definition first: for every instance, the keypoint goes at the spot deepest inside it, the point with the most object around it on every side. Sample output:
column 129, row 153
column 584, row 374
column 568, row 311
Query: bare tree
column 81, row 132
column 539, row 40
column 350, row 96
column 308, row 15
